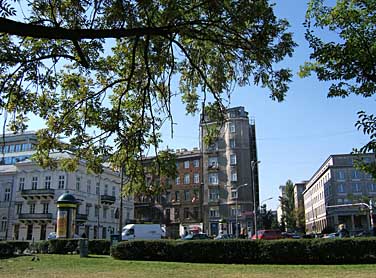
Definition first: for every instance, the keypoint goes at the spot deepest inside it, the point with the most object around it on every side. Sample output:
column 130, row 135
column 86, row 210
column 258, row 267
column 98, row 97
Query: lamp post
column 253, row 164
column 236, row 208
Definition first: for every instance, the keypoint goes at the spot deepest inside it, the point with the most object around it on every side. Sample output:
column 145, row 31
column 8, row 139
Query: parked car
column 268, row 234
column 331, row 235
column 196, row 236
column 290, row 235
column 223, row 236
column 51, row 235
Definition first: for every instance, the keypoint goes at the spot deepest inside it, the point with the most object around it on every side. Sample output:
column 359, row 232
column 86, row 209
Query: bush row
column 318, row 251
column 55, row 246
column 9, row 248
column 65, row 246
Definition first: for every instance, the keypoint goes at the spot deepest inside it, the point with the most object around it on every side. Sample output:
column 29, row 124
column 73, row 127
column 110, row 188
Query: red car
column 268, row 234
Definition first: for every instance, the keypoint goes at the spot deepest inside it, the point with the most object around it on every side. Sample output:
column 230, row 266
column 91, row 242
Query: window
column 97, row 189
column 112, row 213
column 341, row 175
column 234, row 211
column 186, row 164
column 356, row 187
column 47, row 182
column 106, row 189
column 196, row 178
column 355, row 175
column 234, row 175
column 371, row 187
column 45, row 208
column 113, row 191
column 213, row 147
column 186, row 178
column 3, row 226
column 177, row 196
column 213, row 195
column 87, row 209
column 78, row 183
column 105, row 209
column 186, row 213
column 214, row 212
column 7, row 195
column 186, row 195
column 96, row 211
column 340, row 188
column 61, row 183
column 32, row 208
column 232, row 127
column 168, row 196
column 213, row 178
column 176, row 213
column 195, row 212
column 232, row 143
column 17, row 148
column 88, row 186
column 177, row 180
column 213, row 162
column 34, row 183
column 196, row 163
column 19, row 208
column 233, row 159
column 21, row 184
column 234, row 193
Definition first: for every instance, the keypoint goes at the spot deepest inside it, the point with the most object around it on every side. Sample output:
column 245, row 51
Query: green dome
column 67, row 198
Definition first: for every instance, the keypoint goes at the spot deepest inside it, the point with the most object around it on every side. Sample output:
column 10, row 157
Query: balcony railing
column 35, row 216
column 38, row 193
column 81, row 217
column 107, row 199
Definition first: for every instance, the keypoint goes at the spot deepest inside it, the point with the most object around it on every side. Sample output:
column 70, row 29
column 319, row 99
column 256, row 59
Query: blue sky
column 296, row 136
column 293, row 137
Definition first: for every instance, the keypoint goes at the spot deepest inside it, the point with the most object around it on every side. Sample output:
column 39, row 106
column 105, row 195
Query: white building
column 28, row 195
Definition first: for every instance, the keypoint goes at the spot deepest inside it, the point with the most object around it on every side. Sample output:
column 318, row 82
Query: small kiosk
column 66, row 216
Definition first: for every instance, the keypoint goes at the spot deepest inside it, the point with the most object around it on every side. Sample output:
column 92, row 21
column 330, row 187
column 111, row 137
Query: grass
column 104, row 266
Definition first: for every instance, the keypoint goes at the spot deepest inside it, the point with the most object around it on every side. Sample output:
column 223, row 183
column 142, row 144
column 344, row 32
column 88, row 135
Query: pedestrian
column 342, row 231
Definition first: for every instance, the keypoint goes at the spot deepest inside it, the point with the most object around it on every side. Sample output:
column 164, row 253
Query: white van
column 142, row 231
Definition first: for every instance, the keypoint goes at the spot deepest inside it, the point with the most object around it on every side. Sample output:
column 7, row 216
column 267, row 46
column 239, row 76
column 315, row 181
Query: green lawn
column 104, row 266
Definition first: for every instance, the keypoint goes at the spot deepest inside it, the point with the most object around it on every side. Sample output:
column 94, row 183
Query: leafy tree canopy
column 101, row 72
column 348, row 58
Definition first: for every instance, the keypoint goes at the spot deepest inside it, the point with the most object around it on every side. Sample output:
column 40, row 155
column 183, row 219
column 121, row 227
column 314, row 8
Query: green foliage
column 288, row 206
column 99, row 246
column 349, row 59
column 62, row 246
column 53, row 65
column 302, row 251
column 9, row 248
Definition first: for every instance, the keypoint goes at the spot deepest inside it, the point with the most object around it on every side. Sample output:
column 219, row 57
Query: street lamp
column 253, row 164
column 236, row 208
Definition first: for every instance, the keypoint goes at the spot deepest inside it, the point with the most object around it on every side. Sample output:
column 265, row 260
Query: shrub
column 9, row 248
column 62, row 246
column 303, row 251
column 99, row 247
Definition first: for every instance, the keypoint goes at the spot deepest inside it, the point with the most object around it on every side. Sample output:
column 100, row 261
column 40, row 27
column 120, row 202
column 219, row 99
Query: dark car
column 268, row 234
column 196, row 236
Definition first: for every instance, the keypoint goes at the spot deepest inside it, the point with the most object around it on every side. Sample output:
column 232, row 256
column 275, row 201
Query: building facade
column 28, row 195
column 338, row 193
column 230, row 175
column 180, row 206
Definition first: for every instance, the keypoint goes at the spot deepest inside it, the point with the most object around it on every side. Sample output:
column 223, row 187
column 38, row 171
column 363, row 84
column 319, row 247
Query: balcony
column 107, row 199
column 35, row 217
column 32, row 194
column 81, row 217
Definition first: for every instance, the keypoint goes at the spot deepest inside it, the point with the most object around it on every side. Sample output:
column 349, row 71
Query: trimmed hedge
column 302, row 251
column 65, row 246
column 9, row 248
column 99, row 247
